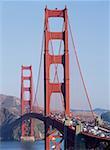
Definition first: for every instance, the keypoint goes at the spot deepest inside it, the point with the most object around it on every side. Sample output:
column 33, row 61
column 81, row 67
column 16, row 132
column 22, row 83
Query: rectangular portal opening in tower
column 57, row 103
column 26, row 73
column 27, row 95
column 56, row 24
column 56, row 47
column 56, row 73
column 27, row 83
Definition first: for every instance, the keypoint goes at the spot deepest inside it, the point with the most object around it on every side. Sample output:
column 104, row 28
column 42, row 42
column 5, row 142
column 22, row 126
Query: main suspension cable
column 79, row 68
column 41, row 55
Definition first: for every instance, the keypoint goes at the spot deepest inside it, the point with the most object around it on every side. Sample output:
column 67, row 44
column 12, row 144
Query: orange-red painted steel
column 61, row 59
column 26, row 102
column 49, row 88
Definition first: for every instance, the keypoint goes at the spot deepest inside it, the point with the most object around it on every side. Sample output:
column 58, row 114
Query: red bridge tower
column 26, row 102
column 55, row 59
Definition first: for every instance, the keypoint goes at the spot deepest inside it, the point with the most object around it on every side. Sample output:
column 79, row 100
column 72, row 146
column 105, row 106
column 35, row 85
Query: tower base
column 27, row 138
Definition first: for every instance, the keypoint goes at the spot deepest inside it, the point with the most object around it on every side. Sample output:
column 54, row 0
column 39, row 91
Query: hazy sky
column 20, row 43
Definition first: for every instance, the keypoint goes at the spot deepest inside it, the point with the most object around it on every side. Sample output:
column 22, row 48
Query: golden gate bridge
column 60, row 126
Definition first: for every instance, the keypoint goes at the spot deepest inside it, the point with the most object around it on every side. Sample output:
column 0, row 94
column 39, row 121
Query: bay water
column 12, row 145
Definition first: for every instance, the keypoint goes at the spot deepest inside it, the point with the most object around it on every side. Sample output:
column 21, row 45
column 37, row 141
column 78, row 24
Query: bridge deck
column 60, row 126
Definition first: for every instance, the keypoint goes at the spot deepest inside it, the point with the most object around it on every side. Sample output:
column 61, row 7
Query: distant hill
column 10, row 110
column 97, row 111
column 6, row 117
column 86, row 115
column 106, row 116
column 11, row 103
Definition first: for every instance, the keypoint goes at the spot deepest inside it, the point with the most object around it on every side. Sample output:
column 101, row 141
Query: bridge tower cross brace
column 26, row 100
column 49, row 59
